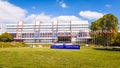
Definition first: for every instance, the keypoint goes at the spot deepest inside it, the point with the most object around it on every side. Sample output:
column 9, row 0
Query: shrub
column 6, row 37
column 12, row 44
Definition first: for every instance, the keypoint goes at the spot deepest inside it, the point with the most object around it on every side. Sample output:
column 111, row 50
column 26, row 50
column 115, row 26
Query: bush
column 12, row 44
column 6, row 37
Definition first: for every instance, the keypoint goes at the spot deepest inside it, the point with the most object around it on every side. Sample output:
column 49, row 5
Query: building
column 39, row 32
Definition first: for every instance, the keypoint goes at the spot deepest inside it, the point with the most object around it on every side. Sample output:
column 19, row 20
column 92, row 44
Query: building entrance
column 64, row 39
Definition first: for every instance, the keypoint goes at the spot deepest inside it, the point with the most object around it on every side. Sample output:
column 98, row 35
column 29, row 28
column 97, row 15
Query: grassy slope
column 51, row 58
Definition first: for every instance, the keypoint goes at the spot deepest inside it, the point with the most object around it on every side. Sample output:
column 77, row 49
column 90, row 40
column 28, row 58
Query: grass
column 55, row 58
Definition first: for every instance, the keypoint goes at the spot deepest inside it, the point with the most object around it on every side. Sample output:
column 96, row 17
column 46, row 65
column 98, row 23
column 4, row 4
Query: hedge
column 12, row 44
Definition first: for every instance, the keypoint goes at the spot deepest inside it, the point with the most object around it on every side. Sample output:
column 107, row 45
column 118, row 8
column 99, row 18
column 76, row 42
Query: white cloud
column 10, row 12
column 90, row 14
column 108, row 6
column 61, row 3
column 47, row 18
column 40, row 17
column 67, row 18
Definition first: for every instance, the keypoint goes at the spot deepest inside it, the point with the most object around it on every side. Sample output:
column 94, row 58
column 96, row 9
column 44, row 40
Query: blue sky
column 30, row 10
column 73, row 6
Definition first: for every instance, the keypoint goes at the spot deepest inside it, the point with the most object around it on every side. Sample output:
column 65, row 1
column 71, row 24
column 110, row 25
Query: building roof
column 55, row 23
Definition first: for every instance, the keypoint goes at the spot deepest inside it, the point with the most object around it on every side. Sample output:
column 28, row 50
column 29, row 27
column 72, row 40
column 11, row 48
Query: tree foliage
column 107, row 23
column 6, row 37
column 117, row 40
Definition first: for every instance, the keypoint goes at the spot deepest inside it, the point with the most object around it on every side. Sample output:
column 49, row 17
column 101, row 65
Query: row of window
column 38, row 41
column 38, row 35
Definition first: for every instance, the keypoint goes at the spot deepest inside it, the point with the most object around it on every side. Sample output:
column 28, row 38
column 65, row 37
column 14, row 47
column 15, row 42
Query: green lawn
column 55, row 58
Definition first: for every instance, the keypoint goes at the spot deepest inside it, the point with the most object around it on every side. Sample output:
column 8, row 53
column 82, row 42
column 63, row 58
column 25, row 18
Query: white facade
column 40, row 32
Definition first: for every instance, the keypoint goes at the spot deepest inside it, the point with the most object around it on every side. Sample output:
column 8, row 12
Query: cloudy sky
column 12, row 11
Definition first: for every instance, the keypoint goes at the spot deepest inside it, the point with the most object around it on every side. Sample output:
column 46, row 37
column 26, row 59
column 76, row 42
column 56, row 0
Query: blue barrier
column 65, row 46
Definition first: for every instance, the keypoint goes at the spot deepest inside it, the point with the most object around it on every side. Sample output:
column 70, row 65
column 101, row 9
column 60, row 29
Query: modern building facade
column 39, row 32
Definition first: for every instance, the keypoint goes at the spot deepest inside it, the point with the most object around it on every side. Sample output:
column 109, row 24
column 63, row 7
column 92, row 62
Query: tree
column 95, row 26
column 109, row 22
column 0, row 38
column 101, row 27
column 117, row 40
column 6, row 37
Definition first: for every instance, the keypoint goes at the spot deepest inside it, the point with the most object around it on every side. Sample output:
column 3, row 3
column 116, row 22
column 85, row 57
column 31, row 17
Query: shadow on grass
column 108, row 48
